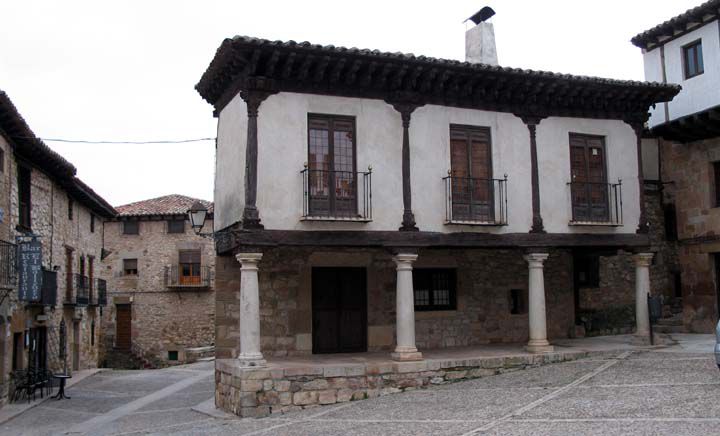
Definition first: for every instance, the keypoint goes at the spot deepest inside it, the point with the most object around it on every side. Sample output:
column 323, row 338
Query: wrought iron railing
column 188, row 276
column 80, row 294
column 8, row 264
column 596, row 203
column 337, row 195
column 98, row 297
column 470, row 200
column 48, row 290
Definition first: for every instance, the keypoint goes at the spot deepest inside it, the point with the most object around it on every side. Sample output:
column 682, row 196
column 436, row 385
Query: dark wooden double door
column 589, row 179
column 339, row 310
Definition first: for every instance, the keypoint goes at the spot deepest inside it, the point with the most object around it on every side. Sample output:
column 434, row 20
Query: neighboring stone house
column 160, row 282
column 377, row 201
column 41, row 197
column 685, row 50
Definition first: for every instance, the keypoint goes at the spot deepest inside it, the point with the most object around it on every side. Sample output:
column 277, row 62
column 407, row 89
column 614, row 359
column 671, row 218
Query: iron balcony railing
column 188, row 276
column 337, row 195
column 98, row 296
column 80, row 294
column 470, row 200
column 8, row 264
column 596, row 203
column 48, row 290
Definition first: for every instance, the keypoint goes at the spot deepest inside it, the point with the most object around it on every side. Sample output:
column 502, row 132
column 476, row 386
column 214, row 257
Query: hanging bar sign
column 30, row 270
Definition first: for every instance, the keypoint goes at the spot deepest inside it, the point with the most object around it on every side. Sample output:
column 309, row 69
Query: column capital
column 643, row 259
column 404, row 261
column 248, row 260
column 253, row 98
column 536, row 260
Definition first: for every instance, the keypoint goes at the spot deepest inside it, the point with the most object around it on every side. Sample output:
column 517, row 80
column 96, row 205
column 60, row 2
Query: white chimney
column 480, row 39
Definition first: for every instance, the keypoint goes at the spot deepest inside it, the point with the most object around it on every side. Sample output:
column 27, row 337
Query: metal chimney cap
column 483, row 14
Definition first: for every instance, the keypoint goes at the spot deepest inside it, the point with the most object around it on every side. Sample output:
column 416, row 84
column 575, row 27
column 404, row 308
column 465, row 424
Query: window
column 173, row 355
column 176, row 226
column 587, row 270
column 24, row 200
column 670, row 216
column 518, row 301
column 70, row 208
column 92, row 223
column 716, row 183
column 434, row 289
column 189, row 267
column 331, row 166
column 130, row 267
column 693, row 59
column 588, row 186
column 471, row 172
column 2, row 160
column 131, row 227
column 92, row 333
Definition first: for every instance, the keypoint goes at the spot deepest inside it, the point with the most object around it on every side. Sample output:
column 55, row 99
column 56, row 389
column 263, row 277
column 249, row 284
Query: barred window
column 434, row 289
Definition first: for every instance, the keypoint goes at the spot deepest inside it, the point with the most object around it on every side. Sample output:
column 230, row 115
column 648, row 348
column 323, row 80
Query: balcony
column 475, row 201
column 79, row 294
column 98, row 295
column 48, row 291
column 188, row 277
column 8, row 264
column 596, row 204
column 337, row 195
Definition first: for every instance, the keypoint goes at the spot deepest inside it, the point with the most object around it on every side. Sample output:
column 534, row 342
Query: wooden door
column 471, row 167
column 68, row 273
column 38, row 348
column 123, row 321
column 339, row 310
column 589, row 187
column 76, row 346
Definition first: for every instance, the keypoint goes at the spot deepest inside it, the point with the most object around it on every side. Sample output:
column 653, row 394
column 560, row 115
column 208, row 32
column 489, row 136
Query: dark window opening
column 131, row 228
column 2, row 160
column 24, row 197
column 71, row 205
column 92, row 223
column 331, row 169
column 434, row 289
column 716, row 183
column 176, row 226
column 92, row 334
column 670, row 215
column 189, row 263
column 693, row 59
column 130, row 267
column 18, row 350
column 587, row 270
column 518, row 301
column 677, row 284
column 172, row 355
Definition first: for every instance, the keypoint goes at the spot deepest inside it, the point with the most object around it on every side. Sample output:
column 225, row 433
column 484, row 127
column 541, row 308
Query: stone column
column 536, row 304
column 250, row 354
column 642, row 290
column 405, row 310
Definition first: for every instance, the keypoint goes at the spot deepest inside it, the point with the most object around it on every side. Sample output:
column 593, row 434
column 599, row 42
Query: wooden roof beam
column 287, row 68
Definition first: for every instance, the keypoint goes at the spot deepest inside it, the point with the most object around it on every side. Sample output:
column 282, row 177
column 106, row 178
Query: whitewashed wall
column 699, row 92
column 282, row 145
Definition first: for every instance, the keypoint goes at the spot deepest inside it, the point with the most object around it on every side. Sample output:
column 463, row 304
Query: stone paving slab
column 695, row 401
column 143, row 421
column 657, row 371
column 615, row 428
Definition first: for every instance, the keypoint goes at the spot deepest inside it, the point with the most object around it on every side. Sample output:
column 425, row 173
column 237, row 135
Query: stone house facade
column 686, row 136
column 369, row 201
column 40, row 196
column 160, row 282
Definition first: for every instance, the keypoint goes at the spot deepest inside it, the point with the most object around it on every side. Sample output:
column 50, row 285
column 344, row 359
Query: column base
column 539, row 347
column 251, row 361
column 406, row 354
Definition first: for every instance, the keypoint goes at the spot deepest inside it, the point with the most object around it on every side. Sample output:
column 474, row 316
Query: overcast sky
column 126, row 70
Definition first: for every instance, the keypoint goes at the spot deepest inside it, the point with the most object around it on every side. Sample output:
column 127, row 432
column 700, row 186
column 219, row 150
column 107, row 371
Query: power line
column 84, row 141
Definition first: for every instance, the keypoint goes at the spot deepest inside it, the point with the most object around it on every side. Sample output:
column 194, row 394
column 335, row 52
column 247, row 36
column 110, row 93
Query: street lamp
column 197, row 214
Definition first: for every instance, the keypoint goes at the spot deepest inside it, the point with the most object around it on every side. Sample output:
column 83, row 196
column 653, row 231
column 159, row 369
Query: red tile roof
column 173, row 204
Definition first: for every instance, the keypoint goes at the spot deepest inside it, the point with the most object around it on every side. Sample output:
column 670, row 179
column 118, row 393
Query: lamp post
column 197, row 215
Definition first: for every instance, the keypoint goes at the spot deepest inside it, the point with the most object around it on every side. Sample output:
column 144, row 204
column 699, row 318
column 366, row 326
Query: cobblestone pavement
column 668, row 391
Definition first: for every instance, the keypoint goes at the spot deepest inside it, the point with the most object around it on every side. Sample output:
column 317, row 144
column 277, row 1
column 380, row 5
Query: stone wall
column 484, row 281
column 50, row 221
column 687, row 170
column 163, row 318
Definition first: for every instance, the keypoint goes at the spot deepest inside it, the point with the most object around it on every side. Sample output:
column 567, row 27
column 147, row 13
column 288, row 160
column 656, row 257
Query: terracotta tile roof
column 173, row 204
column 678, row 25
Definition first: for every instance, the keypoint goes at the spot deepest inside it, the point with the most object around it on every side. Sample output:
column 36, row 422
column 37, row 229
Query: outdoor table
column 61, row 393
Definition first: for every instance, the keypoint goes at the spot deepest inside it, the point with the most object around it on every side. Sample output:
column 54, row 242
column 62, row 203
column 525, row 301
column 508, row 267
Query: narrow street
column 664, row 391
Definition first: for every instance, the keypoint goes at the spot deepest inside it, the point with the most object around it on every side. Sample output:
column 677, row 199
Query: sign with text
column 30, row 270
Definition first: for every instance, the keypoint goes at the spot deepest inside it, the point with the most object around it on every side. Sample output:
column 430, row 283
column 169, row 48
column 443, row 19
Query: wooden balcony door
column 332, row 183
column 589, row 189
column 471, row 168
column 68, row 273
column 339, row 310
column 189, row 268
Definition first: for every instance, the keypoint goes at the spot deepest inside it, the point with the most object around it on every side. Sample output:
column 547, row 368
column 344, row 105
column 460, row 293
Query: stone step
column 661, row 328
column 674, row 321
column 200, row 354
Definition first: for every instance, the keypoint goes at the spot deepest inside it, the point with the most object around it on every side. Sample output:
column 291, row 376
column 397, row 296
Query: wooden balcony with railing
column 596, row 203
column 476, row 201
column 188, row 277
column 337, row 195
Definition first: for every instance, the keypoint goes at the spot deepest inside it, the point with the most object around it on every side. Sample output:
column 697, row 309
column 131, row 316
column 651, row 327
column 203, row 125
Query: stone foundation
column 280, row 389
